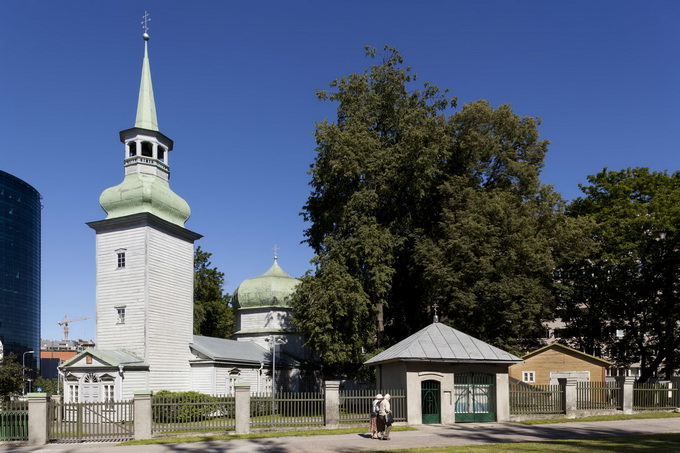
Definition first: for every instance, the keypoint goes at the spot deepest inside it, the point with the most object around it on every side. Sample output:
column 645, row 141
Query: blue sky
column 235, row 89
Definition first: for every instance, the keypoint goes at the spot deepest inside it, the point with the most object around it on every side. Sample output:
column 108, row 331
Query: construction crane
column 67, row 321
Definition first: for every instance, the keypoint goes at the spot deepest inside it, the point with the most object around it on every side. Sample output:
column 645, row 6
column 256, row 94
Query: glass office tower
column 19, row 269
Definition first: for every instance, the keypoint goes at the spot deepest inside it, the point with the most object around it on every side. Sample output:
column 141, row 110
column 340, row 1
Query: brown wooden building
column 548, row 364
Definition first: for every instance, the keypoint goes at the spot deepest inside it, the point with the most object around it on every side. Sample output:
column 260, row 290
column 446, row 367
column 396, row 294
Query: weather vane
column 145, row 24
column 276, row 252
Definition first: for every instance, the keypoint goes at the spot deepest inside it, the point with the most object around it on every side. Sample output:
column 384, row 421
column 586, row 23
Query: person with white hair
column 384, row 418
column 373, row 424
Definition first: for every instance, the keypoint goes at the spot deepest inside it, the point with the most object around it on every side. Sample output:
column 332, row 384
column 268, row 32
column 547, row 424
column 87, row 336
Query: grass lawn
column 657, row 443
column 602, row 418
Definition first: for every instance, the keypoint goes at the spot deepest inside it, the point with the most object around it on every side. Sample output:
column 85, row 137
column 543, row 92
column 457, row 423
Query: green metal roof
column 111, row 357
column 441, row 343
column 273, row 288
column 141, row 192
column 146, row 106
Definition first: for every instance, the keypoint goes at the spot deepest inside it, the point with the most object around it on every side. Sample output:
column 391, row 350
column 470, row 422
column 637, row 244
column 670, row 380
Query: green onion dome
column 271, row 289
column 141, row 192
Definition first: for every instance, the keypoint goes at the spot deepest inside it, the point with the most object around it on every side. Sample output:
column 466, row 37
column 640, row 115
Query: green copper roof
column 146, row 106
column 273, row 288
column 141, row 192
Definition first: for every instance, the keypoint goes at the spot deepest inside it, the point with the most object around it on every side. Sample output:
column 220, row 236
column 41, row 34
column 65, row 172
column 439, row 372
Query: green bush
column 182, row 407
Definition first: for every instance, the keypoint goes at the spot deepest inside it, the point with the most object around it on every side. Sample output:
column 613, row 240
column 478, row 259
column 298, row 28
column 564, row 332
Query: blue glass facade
column 19, row 268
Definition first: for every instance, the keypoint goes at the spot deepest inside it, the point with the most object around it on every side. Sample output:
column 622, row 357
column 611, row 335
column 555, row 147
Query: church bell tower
column 145, row 255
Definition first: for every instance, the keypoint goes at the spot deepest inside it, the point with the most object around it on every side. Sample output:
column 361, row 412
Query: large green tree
column 623, row 300
column 11, row 377
column 404, row 196
column 213, row 314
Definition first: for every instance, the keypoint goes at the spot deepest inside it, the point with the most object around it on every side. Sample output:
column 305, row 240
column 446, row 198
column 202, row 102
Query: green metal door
column 475, row 398
column 430, row 401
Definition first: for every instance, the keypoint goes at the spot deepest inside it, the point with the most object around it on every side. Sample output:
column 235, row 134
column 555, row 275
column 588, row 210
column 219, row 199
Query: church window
column 73, row 392
column 147, row 149
column 121, row 259
column 161, row 153
column 120, row 315
column 108, row 393
column 132, row 149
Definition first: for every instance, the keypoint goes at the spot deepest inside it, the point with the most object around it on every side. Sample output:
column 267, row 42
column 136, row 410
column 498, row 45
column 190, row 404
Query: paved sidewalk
column 426, row 436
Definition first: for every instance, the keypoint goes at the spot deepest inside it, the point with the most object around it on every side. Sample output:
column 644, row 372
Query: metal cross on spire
column 276, row 252
column 145, row 23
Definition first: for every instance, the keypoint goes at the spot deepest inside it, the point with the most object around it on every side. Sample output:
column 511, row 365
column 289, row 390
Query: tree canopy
column 11, row 377
column 213, row 315
column 623, row 300
column 412, row 206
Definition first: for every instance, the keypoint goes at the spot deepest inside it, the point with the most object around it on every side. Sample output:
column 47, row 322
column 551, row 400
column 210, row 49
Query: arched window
column 147, row 149
column 132, row 149
column 91, row 378
column 161, row 153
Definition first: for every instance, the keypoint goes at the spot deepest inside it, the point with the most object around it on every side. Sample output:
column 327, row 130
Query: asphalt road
column 426, row 436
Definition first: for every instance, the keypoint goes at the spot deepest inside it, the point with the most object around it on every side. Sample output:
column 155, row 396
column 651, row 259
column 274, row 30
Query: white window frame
column 120, row 314
column 529, row 376
column 120, row 258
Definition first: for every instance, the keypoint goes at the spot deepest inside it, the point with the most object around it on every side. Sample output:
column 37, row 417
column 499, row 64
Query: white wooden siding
column 203, row 378
column 156, row 289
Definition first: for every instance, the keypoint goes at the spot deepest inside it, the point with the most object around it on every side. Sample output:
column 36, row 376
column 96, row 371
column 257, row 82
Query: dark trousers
column 383, row 427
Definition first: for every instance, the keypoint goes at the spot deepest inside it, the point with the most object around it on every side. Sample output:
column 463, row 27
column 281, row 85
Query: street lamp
column 273, row 341
column 23, row 366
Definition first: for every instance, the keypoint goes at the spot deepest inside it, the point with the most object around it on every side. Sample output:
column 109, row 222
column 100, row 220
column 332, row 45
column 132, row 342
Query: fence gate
column 430, row 399
column 475, row 397
column 74, row 422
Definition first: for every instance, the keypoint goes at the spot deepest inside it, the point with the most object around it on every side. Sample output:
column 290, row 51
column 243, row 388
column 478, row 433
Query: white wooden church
column 144, row 294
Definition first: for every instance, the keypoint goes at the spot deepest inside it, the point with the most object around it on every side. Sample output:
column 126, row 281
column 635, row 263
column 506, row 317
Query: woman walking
column 385, row 424
column 373, row 424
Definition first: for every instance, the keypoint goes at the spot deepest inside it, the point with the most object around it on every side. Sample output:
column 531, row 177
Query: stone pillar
column 332, row 394
column 143, row 414
column 57, row 400
column 502, row 397
column 242, row 394
column 39, row 419
column 568, row 386
column 675, row 382
column 627, row 383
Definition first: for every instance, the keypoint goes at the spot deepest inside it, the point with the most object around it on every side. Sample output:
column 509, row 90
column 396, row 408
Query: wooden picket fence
column 287, row 409
column 526, row 399
column 92, row 422
column 13, row 421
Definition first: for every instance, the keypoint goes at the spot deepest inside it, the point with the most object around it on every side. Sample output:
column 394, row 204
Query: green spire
column 146, row 106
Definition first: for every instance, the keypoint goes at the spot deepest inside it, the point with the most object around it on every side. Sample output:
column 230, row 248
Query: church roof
column 146, row 105
column 237, row 352
column 273, row 288
column 441, row 343
column 110, row 357
column 141, row 192
column 144, row 190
